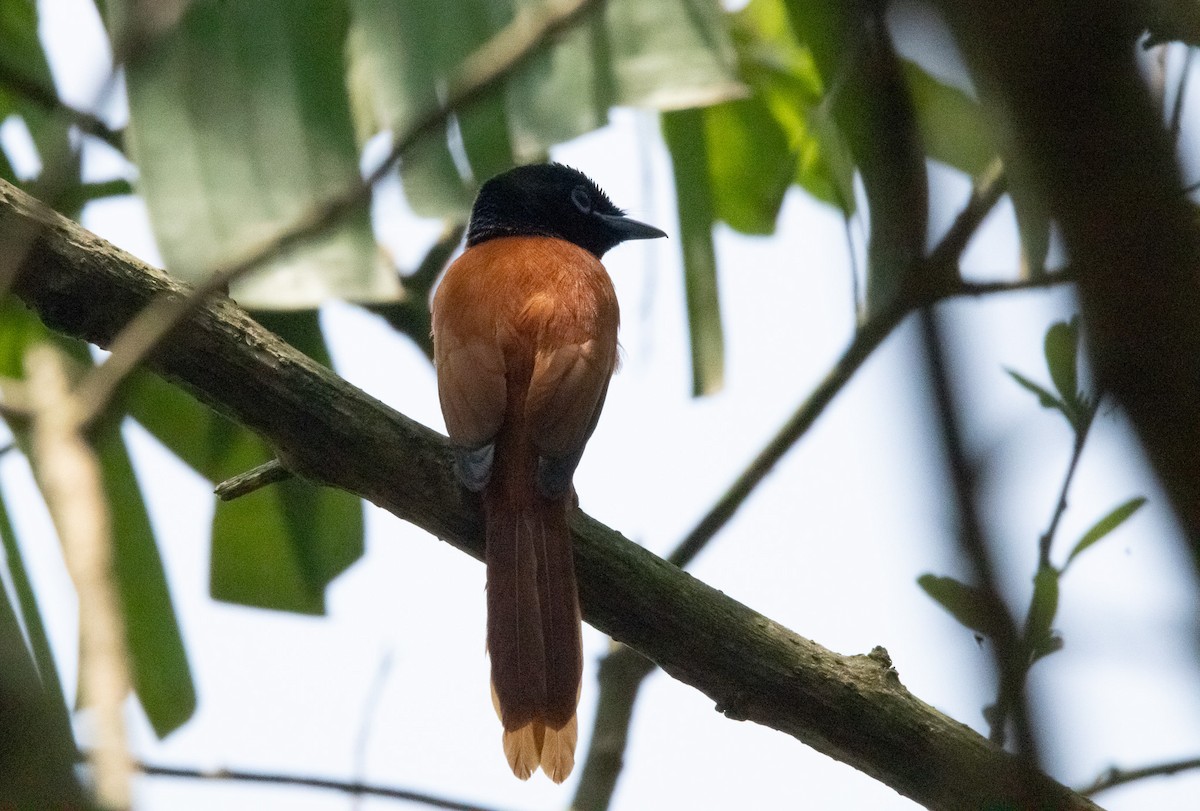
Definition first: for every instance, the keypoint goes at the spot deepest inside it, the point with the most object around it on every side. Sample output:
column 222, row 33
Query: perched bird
column 525, row 341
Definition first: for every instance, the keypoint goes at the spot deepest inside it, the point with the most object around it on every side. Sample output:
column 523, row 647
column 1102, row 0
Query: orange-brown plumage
column 525, row 341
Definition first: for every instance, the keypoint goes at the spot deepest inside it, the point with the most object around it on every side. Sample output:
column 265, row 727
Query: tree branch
column 1118, row 777
column 852, row 708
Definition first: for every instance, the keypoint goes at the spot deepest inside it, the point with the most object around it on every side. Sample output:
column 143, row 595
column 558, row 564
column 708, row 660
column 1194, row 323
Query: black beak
column 625, row 229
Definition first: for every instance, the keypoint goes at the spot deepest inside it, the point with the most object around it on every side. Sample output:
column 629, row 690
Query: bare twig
column 622, row 673
column 531, row 29
column 71, row 481
column 410, row 315
column 1007, row 650
column 345, row 787
column 243, row 484
column 987, row 192
column 47, row 99
column 1118, row 777
column 1060, row 507
column 370, row 708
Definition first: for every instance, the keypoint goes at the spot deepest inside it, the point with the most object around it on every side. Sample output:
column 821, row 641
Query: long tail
column 533, row 631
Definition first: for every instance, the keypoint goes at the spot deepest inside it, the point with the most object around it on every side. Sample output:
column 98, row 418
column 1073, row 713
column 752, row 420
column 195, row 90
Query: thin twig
column 1007, row 649
column 1114, row 776
column 622, row 673
column 479, row 74
column 1060, row 507
column 47, row 99
column 370, row 709
column 984, row 196
column 243, row 484
column 410, row 315
column 71, row 481
column 343, row 786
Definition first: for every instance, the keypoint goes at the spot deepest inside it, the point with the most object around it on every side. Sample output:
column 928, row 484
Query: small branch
column 489, row 65
column 1007, row 650
column 1118, row 777
column 243, row 484
column 1060, row 507
column 986, row 193
column 866, row 340
column 47, row 99
column 370, row 710
column 358, row 789
column 410, row 315
column 71, row 480
column 622, row 673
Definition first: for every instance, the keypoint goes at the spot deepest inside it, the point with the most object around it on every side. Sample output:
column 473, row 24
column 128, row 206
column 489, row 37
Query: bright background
column 391, row 687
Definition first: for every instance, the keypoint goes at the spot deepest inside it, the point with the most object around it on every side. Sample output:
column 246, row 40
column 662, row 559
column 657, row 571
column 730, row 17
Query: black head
column 552, row 200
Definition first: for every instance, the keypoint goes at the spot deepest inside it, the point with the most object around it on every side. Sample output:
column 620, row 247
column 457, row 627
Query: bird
column 525, row 341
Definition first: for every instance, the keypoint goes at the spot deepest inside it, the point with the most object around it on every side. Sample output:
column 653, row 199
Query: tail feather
column 534, row 637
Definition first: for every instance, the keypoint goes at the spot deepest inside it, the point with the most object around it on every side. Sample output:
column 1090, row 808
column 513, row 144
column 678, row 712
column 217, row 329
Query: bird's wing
column 471, row 386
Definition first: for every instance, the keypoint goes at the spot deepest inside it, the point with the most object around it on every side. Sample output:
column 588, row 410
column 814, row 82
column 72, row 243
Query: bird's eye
column 581, row 199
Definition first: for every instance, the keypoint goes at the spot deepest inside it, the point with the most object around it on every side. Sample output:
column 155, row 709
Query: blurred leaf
column 27, row 89
column 684, row 134
column 31, row 618
column 239, row 123
column 750, row 164
column 966, row 604
column 1061, row 348
column 76, row 198
column 1104, row 526
column 161, row 675
column 1033, row 217
column 276, row 548
column 1043, row 608
column 1045, row 398
column 38, row 755
column 953, row 125
column 758, row 146
column 23, row 68
column 666, row 55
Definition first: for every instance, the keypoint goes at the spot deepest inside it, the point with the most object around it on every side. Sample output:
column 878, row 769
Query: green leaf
column 758, row 146
column 751, row 164
column 31, row 618
column 1045, row 398
column 239, row 124
column 1043, row 607
column 1104, row 526
column 24, row 71
column 1062, row 347
column 161, row 675
column 276, row 548
column 669, row 54
column 967, row 604
column 684, row 134
column 39, row 749
column 953, row 125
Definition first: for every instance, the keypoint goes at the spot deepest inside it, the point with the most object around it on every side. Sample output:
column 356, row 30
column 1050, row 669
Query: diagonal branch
column 852, row 708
